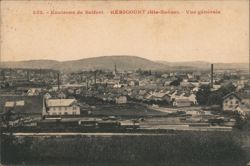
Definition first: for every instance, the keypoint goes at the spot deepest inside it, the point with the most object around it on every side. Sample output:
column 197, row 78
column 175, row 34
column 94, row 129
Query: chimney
column 3, row 74
column 40, row 72
column 10, row 70
column 249, row 69
column 28, row 75
column 58, row 80
column 87, row 83
column 212, row 75
column 115, row 69
column 95, row 79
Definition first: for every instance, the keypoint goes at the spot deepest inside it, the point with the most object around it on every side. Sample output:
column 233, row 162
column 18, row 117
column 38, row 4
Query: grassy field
column 179, row 149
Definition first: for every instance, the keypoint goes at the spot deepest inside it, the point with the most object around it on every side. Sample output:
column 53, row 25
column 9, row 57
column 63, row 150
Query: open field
column 181, row 148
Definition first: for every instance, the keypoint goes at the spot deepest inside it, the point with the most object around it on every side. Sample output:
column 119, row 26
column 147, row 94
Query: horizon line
column 159, row 60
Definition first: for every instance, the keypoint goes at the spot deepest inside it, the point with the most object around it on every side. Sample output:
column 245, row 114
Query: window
column 65, row 108
column 74, row 108
column 74, row 113
column 237, row 102
column 65, row 113
column 54, row 108
column 59, row 108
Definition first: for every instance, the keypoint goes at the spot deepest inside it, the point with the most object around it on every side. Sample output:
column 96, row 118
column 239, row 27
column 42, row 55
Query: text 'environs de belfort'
column 129, row 12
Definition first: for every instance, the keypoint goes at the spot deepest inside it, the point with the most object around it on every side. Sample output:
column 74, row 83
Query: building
column 33, row 92
column 192, row 98
column 230, row 102
column 121, row 100
column 62, row 107
column 22, row 105
column 159, row 96
column 182, row 102
column 243, row 109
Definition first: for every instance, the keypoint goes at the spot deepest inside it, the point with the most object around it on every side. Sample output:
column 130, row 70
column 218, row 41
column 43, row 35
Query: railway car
column 216, row 121
column 108, row 125
column 129, row 125
column 88, row 123
column 57, row 123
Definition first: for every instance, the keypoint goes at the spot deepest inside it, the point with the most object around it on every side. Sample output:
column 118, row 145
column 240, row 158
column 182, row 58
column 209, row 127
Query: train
column 58, row 123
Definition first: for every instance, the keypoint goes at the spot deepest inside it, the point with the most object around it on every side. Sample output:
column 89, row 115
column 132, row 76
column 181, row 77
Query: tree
column 203, row 94
column 224, row 90
column 241, row 120
column 214, row 99
column 176, row 82
column 207, row 97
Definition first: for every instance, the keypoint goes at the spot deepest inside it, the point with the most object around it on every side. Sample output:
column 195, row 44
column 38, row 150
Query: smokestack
column 40, row 72
column 58, row 81
column 115, row 69
column 10, row 71
column 3, row 74
column 28, row 75
column 212, row 75
column 87, row 84
column 95, row 79
column 249, row 69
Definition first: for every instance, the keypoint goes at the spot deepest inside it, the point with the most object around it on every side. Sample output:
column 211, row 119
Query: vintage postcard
column 116, row 83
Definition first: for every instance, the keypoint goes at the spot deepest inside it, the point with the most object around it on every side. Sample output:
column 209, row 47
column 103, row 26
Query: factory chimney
column 58, row 81
column 115, row 69
column 95, row 78
column 3, row 74
column 87, row 83
column 28, row 75
column 212, row 75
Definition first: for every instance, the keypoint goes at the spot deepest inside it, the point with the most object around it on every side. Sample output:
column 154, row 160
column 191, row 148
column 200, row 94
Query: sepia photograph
column 124, row 82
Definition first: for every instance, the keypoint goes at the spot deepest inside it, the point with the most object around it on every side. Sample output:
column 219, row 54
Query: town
column 116, row 100
column 118, row 83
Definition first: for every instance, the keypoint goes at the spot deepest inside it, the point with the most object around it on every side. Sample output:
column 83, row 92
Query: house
column 173, row 95
column 167, row 83
column 182, row 102
column 22, row 105
column 230, row 102
column 243, row 109
column 61, row 95
column 192, row 98
column 147, row 96
column 131, row 83
column 160, row 96
column 62, row 107
column 121, row 100
column 33, row 92
column 216, row 87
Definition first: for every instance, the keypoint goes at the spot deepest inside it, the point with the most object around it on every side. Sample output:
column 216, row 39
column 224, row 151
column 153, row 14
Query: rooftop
column 60, row 102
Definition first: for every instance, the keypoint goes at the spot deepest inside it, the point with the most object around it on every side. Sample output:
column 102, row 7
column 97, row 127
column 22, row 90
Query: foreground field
column 182, row 148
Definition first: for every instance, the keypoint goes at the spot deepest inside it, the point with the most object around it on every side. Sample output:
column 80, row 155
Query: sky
column 220, row 37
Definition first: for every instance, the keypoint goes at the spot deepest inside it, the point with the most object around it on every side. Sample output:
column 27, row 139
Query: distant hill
column 109, row 62
column 103, row 62
column 204, row 65
column 122, row 63
column 34, row 64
